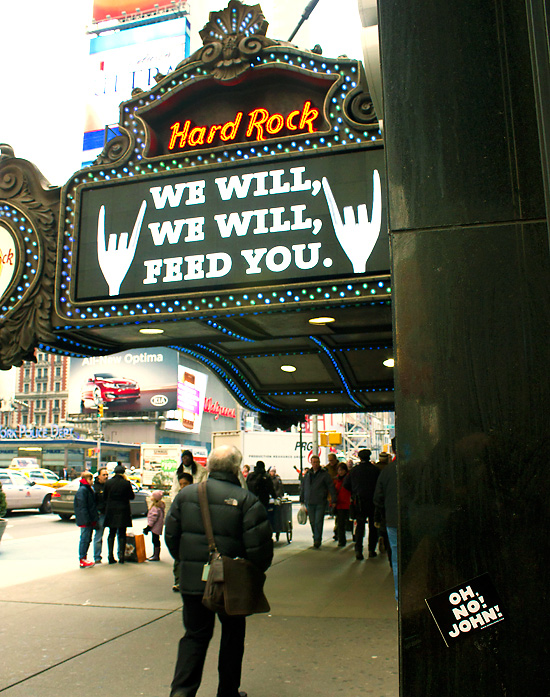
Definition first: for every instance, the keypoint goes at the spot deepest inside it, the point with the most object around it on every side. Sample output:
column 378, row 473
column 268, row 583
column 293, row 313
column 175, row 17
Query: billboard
column 190, row 401
column 132, row 381
column 256, row 225
column 121, row 61
column 107, row 9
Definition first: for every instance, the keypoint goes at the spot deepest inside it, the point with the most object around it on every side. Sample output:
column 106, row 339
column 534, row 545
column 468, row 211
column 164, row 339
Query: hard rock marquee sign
column 252, row 164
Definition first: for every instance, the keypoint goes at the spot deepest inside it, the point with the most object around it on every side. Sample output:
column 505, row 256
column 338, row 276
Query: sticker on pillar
column 466, row 609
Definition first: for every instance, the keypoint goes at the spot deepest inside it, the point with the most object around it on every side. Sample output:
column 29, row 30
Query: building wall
column 42, row 386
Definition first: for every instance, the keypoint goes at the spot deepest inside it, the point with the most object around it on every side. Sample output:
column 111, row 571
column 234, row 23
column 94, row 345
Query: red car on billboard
column 106, row 388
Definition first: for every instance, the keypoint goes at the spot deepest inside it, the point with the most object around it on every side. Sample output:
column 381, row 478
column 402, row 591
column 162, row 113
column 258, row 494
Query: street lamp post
column 99, row 435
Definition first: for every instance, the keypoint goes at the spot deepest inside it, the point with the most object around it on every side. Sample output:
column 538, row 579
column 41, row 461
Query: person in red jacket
column 343, row 502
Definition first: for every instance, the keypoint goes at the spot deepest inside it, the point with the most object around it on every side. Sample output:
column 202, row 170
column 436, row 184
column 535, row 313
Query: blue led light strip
column 338, row 369
column 232, row 368
column 219, row 327
column 222, row 374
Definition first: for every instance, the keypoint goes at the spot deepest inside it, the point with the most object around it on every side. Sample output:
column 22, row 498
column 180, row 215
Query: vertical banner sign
column 191, row 393
column 466, row 609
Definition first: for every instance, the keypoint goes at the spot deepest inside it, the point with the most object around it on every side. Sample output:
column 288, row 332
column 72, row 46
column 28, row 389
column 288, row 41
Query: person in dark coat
column 278, row 485
column 385, row 500
column 99, row 490
column 118, row 493
column 316, row 487
column 85, row 510
column 261, row 484
column 241, row 529
column 361, row 481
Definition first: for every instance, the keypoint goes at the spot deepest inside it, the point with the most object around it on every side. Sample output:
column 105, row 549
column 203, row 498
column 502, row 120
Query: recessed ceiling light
column 321, row 320
column 151, row 330
column 312, row 399
column 389, row 363
column 288, row 368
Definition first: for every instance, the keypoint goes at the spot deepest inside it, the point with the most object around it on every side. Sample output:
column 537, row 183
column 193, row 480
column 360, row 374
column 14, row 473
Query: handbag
column 135, row 548
column 302, row 515
column 233, row 586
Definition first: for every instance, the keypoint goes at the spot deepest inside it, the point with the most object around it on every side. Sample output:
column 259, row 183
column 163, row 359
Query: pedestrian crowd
column 104, row 502
column 362, row 500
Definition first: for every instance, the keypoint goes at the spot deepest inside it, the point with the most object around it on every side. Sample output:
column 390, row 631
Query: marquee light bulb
column 288, row 368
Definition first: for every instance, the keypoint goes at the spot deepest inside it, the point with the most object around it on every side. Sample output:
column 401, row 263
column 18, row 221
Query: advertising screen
column 313, row 217
column 190, row 401
column 135, row 380
column 123, row 60
column 107, row 9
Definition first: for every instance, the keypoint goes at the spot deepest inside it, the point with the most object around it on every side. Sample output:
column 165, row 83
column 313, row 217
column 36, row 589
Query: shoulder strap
column 206, row 520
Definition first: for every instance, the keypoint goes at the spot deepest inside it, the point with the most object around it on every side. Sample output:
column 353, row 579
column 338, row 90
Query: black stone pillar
column 471, row 278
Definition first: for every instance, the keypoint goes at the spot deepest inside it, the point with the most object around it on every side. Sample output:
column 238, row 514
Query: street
column 26, row 555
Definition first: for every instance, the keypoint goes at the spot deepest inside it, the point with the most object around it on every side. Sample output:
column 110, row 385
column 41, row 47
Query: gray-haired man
column 240, row 529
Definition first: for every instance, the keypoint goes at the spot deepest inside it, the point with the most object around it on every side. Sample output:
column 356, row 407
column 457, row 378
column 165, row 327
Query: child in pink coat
column 155, row 522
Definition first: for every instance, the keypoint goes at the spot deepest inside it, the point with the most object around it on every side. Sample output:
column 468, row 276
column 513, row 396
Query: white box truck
column 165, row 459
column 276, row 448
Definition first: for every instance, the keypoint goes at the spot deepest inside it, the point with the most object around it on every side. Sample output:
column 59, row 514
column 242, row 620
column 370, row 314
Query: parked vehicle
column 22, row 493
column 41, row 475
column 106, row 388
column 63, row 500
column 275, row 449
column 20, row 462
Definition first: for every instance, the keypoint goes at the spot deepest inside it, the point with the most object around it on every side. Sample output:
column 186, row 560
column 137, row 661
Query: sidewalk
column 114, row 629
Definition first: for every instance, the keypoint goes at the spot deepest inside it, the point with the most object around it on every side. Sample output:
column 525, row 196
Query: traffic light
column 330, row 438
column 100, row 410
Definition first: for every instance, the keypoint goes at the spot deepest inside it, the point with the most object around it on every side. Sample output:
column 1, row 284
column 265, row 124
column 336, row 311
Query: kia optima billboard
column 131, row 381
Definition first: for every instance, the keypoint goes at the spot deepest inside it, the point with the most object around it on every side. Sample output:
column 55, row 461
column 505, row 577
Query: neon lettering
column 212, row 133
column 290, row 120
column 182, row 135
column 211, row 407
column 274, row 124
column 260, row 126
column 196, row 137
column 229, row 130
column 258, row 117
column 308, row 117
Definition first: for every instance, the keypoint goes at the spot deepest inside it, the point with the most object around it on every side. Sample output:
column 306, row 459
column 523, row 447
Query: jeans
column 98, row 537
column 316, row 513
column 199, row 627
column 392, row 536
column 85, row 539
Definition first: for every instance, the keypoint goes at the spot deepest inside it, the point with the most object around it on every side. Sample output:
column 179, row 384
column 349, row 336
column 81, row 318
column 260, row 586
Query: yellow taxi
column 40, row 475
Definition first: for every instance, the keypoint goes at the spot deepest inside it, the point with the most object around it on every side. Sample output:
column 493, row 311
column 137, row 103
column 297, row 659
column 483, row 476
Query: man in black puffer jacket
column 240, row 529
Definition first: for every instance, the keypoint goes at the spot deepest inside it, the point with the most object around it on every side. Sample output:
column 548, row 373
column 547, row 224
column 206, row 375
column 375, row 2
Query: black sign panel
column 273, row 222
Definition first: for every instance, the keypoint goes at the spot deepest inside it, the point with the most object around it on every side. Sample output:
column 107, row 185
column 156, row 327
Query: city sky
column 43, row 58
